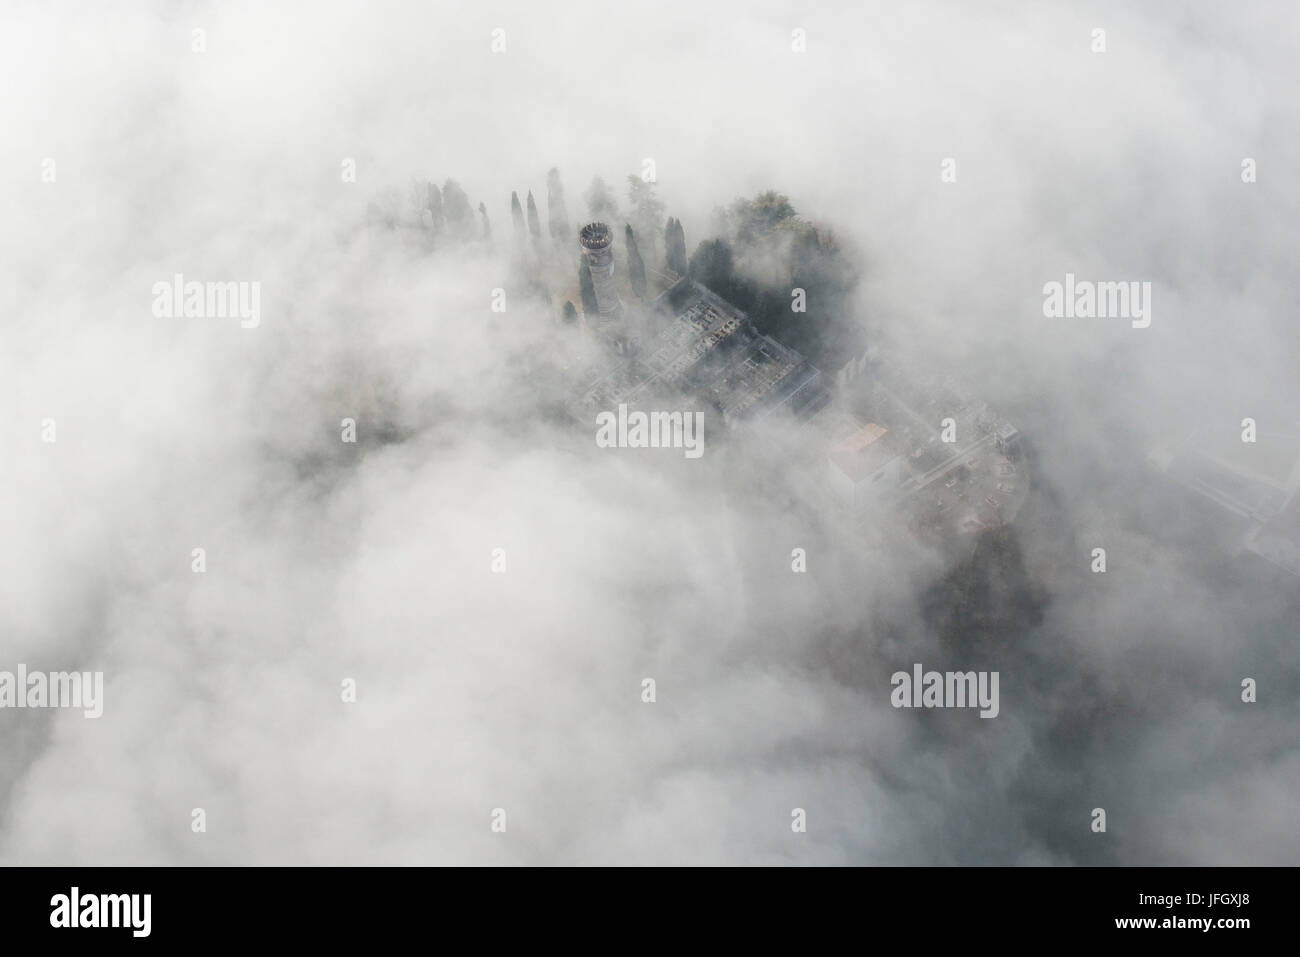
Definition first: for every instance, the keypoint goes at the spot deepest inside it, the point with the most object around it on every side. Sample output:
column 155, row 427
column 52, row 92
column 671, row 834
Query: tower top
column 595, row 236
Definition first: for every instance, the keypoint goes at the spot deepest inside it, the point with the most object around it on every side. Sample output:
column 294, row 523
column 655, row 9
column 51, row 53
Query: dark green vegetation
column 763, row 252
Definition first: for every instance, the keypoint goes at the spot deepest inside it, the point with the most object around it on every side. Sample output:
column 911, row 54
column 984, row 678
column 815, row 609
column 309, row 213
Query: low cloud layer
column 522, row 690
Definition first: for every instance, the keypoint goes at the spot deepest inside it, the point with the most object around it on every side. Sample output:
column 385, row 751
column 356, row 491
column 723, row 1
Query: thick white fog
column 131, row 157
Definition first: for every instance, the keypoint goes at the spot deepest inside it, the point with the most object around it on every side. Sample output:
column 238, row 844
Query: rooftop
column 697, row 343
column 862, row 453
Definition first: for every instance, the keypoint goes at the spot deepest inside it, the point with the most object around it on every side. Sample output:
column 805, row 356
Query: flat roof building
column 863, row 465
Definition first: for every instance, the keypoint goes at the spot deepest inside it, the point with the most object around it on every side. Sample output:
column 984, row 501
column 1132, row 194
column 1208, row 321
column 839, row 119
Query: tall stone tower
column 596, row 240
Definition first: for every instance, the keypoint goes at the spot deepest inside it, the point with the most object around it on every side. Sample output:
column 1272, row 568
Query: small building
column 863, row 466
column 1007, row 439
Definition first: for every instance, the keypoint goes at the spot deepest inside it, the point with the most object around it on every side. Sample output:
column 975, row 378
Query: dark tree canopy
column 749, row 219
column 647, row 211
column 557, row 216
column 776, row 253
column 459, row 214
column 713, row 264
column 602, row 207
column 433, row 203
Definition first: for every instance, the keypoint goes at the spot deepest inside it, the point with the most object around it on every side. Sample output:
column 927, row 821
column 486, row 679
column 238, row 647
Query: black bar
column 327, row 906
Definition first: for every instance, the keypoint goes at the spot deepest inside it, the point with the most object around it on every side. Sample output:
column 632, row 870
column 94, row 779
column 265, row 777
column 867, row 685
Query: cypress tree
column 635, row 265
column 434, row 204
column 675, row 243
column 534, row 221
column 517, row 214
